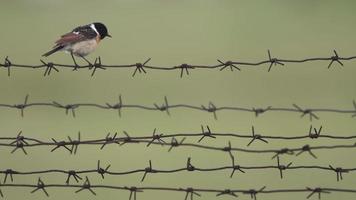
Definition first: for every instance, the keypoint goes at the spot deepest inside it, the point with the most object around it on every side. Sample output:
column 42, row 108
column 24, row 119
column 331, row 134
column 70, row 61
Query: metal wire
column 183, row 68
column 71, row 145
column 189, row 167
column 189, row 192
column 210, row 108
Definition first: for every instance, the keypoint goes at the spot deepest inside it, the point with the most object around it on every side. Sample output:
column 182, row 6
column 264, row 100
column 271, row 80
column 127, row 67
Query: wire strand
column 184, row 68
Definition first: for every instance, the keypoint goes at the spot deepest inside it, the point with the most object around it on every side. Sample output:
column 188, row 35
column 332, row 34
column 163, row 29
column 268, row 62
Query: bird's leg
column 89, row 63
column 75, row 63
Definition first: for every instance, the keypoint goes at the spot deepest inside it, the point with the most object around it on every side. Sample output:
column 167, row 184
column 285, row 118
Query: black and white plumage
column 81, row 41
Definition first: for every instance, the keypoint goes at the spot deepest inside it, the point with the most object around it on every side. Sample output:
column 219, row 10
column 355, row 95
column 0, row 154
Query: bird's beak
column 109, row 36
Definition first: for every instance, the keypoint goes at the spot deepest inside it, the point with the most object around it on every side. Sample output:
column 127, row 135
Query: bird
column 81, row 41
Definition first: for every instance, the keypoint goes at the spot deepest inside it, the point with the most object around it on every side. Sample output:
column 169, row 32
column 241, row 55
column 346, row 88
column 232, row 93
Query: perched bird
column 81, row 41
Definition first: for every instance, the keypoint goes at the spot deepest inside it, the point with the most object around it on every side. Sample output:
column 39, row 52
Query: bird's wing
column 78, row 34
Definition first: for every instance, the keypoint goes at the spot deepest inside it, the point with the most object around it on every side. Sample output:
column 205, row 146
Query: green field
column 172, row 33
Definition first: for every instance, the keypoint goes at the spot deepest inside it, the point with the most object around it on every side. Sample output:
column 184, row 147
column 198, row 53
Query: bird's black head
column 101, row 28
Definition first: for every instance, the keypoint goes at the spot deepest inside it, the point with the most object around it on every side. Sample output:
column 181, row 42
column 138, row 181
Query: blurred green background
column 171, row 33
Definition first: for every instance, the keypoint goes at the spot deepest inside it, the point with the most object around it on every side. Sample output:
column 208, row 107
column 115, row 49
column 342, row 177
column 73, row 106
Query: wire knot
column 306, row 112
column 306, row 148
column 256, row 137
column 101, row 170
column 207, row 133
column 156, row 137
column 339, row 172
column 9, row 172
column 227, row 192
column 21, row 107
column 229, row 64
column 259, row 111
column 133, row 190
column 335, row 58
column 109, row 140
column 75, row 176
column 210, row 108
column 148, row 170
column 316, row 190
column 282, row 167
column 185, row 67
column 253, row 192
column 97, row 65
column 86, row 186
column 140, row 67
column 7, row 64
column 283, row 151
column 67, row 107
column 164, row 106
column 235, row 167
column 316, row 133
column 175, row 143
column 189, row 166
column 40, row 186
column 273, row 61
column 49, row 67
column 127, row 139
column 19, row 143
column 117, row 106
column 60, row 144
column 74, row 143
column 227, row 148
column 190, row 192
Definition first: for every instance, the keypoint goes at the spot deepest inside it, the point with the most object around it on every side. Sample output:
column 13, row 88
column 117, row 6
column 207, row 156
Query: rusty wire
column 210, row 108
column 142, row 67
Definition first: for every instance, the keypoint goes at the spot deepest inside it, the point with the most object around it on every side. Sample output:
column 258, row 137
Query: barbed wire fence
column 183, row 68
column 175, row 140
column 71, row 145
column 166, row 107
column 189, row 167
column 190, row 192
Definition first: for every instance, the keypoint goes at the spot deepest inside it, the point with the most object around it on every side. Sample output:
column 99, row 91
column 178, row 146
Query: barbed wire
column 71, row 145
column 253, row 136
column 189, row 167
column 166, row 107
column 183, row 68
column 189, row 192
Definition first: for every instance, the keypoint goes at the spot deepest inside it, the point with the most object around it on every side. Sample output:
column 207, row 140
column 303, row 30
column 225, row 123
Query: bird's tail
column 53, row 51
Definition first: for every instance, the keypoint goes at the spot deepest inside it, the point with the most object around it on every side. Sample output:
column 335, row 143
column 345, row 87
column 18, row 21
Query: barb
column 253, row 192
column 317, row 191
column 49, row 67
column 133, row 190
column 211, row 108
column 274, row 62
column 142, row 67
column 7, row 64
column 190, row 192
column 20, row 142
column 164, row 107
column 188, row 167
column 156, row 137
column 206, row 133
column 256, row 137
column 86, row 186
column 281, row 168
column 40, row 186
